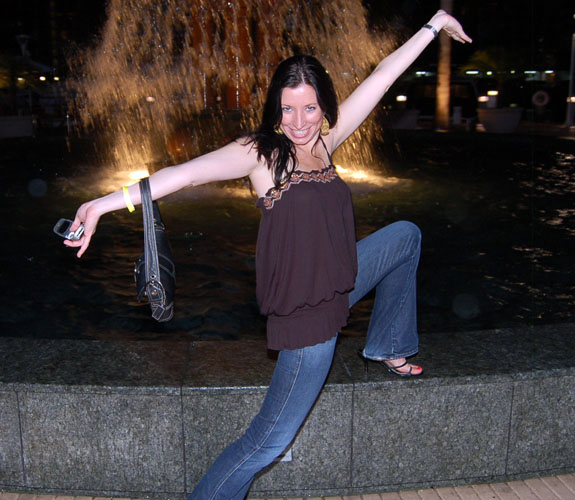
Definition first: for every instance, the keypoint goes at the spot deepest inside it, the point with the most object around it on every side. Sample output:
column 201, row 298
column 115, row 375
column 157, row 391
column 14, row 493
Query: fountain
column 154, row 79
column 172, row 79
column 98, row 399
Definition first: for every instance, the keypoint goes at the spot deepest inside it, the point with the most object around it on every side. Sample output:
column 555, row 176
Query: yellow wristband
column 127, row 199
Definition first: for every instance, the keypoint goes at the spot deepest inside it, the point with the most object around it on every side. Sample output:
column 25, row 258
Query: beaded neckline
column 325, row 175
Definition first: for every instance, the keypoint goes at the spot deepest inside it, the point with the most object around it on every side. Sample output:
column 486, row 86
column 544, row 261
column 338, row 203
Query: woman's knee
column 408, row 230
column 402, row 233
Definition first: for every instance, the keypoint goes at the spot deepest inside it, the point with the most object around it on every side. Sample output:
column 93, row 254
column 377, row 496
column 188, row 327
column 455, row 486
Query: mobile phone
column 62, row 228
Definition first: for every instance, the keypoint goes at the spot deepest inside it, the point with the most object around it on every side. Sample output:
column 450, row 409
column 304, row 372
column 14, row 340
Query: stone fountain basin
column 135, row 419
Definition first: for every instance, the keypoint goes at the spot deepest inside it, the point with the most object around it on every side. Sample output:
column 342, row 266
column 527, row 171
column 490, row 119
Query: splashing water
column 171, row 79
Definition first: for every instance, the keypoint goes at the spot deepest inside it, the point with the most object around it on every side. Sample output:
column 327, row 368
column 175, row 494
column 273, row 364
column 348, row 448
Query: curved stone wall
column 147, row 418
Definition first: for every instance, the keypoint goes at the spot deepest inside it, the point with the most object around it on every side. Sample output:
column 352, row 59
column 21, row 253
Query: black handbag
column 155, row 272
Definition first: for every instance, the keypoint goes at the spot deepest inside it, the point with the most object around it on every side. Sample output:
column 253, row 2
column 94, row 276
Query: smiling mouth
column 300, row 133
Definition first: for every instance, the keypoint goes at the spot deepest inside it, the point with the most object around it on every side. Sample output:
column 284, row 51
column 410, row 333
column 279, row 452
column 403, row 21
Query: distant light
column 20, row 79
column 43, row 78
column 492, row 92
column 489, row 73
column 150, row 99
column 512, row 72
column 530, row 72
column 139, row 174
column 353, row 174
column 483, row 98
column 549, row 72
column 56, row 78
column 472, row 72
column 421, row 73
column 571, row 99
column 363, row 176
column 401, row 98
column 360, row 176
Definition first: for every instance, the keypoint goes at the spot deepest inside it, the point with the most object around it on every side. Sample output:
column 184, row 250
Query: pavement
column 560, row 487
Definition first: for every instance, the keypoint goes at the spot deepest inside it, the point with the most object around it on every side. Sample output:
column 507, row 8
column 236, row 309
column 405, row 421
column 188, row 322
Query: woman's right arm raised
column 232, row 161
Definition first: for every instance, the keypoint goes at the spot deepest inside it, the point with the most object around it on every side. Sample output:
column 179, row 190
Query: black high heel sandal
column 390, row 368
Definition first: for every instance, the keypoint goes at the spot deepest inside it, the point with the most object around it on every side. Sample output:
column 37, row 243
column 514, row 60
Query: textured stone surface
column 215, row 418
column 486, row 353
column 417, row 432
column 321, row 452
column 245, row 363
column 212, row 421
column 104, row 417
column 103, row 441
column 84, row 362
column 224, row 386
column 11, row 472
column 543, row 425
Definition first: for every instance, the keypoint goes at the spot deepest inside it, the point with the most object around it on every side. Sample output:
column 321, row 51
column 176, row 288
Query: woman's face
column 301, row 114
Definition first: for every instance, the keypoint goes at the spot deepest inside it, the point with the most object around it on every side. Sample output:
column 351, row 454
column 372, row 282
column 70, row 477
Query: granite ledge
column 499, row 355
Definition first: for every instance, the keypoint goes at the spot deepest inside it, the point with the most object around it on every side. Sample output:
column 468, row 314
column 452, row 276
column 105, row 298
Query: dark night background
column 539, row 31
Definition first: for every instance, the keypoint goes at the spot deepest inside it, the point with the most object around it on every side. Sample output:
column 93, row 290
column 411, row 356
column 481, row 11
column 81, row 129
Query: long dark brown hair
column 277, row 149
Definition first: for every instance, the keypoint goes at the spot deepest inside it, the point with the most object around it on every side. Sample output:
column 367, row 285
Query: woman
column 309, row 269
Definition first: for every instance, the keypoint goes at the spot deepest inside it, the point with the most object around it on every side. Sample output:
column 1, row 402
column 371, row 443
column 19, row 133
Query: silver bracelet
column 433, row 30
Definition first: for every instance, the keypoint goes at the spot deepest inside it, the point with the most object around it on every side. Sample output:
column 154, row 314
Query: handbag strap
column 152, row 267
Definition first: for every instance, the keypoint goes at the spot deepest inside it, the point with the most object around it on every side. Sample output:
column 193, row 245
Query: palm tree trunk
column 443, row 75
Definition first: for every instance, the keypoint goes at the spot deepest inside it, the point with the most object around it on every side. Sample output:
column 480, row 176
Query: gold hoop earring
column 324, row 126
column 278, row 130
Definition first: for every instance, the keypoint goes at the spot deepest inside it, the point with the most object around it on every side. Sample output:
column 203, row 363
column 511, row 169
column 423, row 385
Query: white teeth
column 300, row 133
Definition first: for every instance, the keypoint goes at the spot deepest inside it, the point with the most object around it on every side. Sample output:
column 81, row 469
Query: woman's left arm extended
column 236, row 159
column 361, row 102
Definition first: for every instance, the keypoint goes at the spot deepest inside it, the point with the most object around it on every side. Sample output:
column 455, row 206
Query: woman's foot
column 402, row 368
column 398, row 367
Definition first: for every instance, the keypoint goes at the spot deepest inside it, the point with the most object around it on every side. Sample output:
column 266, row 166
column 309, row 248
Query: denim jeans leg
column 387, row 261
column 297, row 381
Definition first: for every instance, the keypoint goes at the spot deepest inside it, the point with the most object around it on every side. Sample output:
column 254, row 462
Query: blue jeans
column 387, row 261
